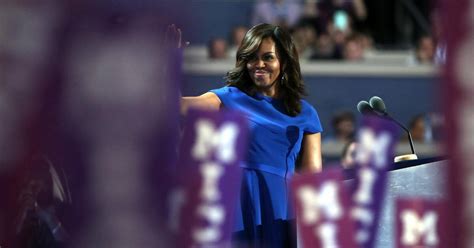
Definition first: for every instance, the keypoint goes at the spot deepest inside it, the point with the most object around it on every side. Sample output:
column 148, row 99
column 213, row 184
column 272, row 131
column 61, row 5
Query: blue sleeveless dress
column 275, row 140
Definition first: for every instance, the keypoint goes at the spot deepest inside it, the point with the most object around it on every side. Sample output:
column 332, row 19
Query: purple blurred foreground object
column 30, row 186
column 202, row 207
column 376, row 141
column 323, row 210
column 420, row 223
column 120, row 124
column 103, row 117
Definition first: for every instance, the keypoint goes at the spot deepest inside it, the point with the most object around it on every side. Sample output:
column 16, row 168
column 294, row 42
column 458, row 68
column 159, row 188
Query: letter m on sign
column 221, row 140
column 211, row 150
column 420, row 223
column 321, row 208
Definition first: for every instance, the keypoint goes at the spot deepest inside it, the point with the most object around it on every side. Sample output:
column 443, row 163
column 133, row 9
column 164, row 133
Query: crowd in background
column 341, row 29
column 424, row 128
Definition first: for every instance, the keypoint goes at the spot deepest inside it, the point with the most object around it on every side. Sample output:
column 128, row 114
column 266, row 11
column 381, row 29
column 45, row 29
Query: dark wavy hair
column 290, row 87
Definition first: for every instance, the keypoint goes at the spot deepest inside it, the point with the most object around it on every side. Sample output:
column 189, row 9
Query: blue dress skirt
column 264, row 214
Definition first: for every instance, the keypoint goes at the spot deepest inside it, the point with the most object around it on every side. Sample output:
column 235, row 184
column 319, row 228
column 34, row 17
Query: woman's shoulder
column 309, row 113
column 306, row 107
column 228, row 89
column 229, row 95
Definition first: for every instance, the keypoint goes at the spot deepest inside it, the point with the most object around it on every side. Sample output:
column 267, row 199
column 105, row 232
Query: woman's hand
column 174, row 37
column 208, row 101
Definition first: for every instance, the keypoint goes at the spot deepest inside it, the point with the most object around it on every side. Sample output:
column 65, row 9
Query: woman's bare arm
column 311, row 159
column 208, row 101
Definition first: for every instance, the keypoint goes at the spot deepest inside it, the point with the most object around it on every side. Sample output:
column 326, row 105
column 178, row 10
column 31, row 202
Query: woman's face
column 264, row 67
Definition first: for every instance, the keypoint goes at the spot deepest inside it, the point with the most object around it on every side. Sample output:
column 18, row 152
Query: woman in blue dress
column 266, row 85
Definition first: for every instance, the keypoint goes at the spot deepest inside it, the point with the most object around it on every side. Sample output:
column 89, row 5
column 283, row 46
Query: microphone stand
column 377, row 108
column 411, row 156
column 404, row 128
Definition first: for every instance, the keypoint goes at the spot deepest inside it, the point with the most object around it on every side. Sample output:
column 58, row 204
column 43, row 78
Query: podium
column 423, row 178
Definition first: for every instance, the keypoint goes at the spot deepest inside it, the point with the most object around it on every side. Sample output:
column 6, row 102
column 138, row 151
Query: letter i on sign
column 420, row 223
column 374, row 155
column 322, row 210
column 211, row 150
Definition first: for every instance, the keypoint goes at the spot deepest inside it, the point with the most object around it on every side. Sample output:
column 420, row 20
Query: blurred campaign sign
column 374, row 154
column 322, row 210
column 111, row 121
column 26, row 181
column 212, row 147
column 126, row 123
column 90, row 124
column 420, row 223
column 458, row 92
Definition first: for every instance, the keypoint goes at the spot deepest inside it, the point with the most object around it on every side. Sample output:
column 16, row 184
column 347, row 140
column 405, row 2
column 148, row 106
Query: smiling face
column 264, row 67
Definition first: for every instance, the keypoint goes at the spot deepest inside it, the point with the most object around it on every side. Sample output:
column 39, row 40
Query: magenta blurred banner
column 421, row 223
column 376, row 140
column 90, row 124
column 323, row 210
column 212, row 148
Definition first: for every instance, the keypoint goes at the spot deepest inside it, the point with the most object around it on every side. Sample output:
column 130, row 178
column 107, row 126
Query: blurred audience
column 417, row 128
column 327, row 30
column 440, row 53
column 310, row 10
column 435, row 127
column 336, row 36
column 367, row 42
column 43, row 197
column 343, row 125
column 285, row 13
column 353, row 48
column 217, row 48
column 325, row 48
column 438, row 36
column 425, row 50
column 348, row 155
column 426, row 127
column 237, row 35
column 304, row 37
column 412, row 20
column 343, row 14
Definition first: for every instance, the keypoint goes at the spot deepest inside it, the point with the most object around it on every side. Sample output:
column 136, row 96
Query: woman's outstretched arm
column 208, row 101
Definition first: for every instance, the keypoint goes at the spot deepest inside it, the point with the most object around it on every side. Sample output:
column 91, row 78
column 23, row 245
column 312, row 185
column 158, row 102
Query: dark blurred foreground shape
column 89, row 105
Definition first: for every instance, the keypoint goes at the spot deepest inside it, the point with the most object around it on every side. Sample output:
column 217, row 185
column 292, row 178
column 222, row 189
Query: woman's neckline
column 261, row 96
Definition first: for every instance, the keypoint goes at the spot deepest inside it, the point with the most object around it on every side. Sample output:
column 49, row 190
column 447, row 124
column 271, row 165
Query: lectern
column 422, row 178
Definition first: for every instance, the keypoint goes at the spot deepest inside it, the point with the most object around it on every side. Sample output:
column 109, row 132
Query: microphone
column 364, row 108
column 377, row 105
